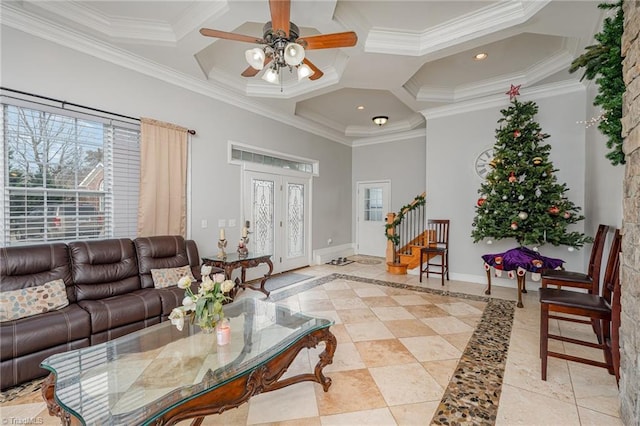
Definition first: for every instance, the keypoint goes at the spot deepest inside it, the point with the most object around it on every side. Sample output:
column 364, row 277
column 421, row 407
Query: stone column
column 630, row 270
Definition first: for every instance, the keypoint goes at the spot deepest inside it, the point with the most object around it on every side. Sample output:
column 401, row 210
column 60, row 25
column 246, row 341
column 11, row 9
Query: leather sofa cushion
column 103, row 269
column 194, row 259
column 33, row 334
column 117, row 311
column 159, row 252
column 30, row 266
column 171, row 297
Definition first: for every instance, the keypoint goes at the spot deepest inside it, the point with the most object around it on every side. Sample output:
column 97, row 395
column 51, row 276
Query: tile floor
column 396, row 353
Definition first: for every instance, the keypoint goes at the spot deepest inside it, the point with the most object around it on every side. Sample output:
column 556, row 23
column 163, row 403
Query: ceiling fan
column 283, row 46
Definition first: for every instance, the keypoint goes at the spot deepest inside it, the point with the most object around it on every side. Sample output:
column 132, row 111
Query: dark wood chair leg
column 544, row 338
column 421, row 257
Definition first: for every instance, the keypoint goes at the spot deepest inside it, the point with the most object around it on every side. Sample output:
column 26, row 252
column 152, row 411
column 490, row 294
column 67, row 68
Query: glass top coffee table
column 160, row 375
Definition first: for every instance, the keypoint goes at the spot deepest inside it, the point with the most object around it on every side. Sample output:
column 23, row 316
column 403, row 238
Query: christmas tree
column 520, row 197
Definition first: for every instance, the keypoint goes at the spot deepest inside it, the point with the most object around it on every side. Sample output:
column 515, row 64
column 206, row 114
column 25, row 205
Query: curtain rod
column 63, row 103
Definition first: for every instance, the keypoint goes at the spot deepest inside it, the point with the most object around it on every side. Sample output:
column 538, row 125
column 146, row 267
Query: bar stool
column 437, row 247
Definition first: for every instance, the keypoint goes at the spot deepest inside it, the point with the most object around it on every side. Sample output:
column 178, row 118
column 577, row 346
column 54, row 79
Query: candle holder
column 243, row 251
column 222, row 243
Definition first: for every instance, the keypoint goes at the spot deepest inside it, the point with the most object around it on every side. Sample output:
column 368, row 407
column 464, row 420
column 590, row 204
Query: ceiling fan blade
column 329, row 41
column 230, row 36
column 280, row 15
column 252, row 72
column 316, row 71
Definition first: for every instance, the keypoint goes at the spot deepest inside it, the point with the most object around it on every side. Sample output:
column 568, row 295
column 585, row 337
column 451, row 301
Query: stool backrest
column 438, row 231
column 595, row 260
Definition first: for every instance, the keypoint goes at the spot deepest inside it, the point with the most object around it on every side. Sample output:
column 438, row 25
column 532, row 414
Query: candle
column 223, row 334
column 244, row 232
column 221, row 233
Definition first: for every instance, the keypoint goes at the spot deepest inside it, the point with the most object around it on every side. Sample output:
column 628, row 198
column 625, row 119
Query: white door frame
column 357, row 209
column 283, row 174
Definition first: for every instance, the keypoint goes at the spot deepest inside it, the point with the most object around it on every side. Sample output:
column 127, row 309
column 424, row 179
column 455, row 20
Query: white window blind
column 66, row 175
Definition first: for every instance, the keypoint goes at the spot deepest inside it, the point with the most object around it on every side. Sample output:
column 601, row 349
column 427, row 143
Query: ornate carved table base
column 232, row 262
column 264, row 378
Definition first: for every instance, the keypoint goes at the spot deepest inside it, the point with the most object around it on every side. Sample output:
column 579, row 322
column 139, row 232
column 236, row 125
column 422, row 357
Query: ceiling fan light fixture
column 293, row 54
column 255, row 58
column 271, row 76
column 380, row 120
column 304, row 71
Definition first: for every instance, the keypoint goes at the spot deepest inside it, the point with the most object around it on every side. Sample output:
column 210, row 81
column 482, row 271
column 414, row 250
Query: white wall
column 401, row 162
column 454, row 141
column 603, row 181
column 41, row 67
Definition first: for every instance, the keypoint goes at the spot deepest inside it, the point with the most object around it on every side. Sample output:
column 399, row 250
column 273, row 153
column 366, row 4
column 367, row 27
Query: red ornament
column 567, row 215
column 481, row 201
column 554, row 210
column 514, row 225
column 516, row 134
column 513, row 91
column 512, row 177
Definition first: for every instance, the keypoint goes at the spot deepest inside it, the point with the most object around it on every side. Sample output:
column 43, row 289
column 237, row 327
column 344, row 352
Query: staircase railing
column 405, row 228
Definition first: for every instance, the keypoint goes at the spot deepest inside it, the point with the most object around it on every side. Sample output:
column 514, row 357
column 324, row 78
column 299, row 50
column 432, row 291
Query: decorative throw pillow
column 163, row 278
column 30, row 301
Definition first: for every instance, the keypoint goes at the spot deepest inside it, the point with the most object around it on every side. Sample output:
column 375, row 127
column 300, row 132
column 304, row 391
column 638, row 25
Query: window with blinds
column 67, row 176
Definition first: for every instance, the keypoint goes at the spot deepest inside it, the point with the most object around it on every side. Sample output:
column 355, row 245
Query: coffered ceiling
column 412, row 57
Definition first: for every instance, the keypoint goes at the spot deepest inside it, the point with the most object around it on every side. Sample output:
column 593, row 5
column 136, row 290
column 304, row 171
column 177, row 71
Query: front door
column 373, row 205
column 278, row 208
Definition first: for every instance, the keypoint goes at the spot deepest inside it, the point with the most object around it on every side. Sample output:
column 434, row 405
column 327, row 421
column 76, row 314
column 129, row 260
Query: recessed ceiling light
column 360, row 107
column 480, row 56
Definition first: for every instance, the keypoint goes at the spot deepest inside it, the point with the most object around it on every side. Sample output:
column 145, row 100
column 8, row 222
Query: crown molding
column 123, row 29
column 498, row 100
column 403, row 126
column 537, row 72
column 486, row 21
column 19, row 19
column 395, row 137
column 196, row 14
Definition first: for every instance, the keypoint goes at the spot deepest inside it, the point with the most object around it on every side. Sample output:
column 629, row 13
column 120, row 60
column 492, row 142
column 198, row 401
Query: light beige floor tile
column 430, row 348
column 593, row 418
column 390, row 313
column 525, row 341
column 442, row 370
column 410, row 299
column 346, row 357
column 346, row 293
column 377, row 353
column 340, row 332
column 13, row 414
column 459, row 309
column 349, row 303
column 337, row 285
column 357, row 315
column 368, row 331
column 594, row 388
column 379, row 301
column 409, row 328
column 353, row 390
column 330, row 315
column 447, row 325
column 459, row 340
column 414, row 414
column 522, row 370
column 406, row 384
column 293, row 402
column 522, row 407
column 426, row 311
column 315, row 305
column 380, row 416
column 369, row 291
column 234, row 416
column 314, row 294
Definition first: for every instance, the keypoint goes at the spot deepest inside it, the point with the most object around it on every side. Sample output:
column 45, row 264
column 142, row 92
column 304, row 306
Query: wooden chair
column 589, row 280
column 594, row 307
column 437, row 247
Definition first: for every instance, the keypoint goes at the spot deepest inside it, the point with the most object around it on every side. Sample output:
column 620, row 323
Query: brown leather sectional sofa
column 110, row 292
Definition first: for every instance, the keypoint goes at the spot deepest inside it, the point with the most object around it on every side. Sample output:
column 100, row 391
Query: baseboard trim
column 326, row 254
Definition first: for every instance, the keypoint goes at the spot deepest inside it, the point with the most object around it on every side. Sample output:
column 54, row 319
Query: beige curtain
column 163, row 179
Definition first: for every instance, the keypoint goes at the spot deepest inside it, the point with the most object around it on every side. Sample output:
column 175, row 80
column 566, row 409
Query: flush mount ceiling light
column 360, row 107
column 282, row 47
column 480, row 56
column 380, row 120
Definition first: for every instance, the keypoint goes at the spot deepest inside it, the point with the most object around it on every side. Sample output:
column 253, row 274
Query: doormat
column 341, row 261
column 283, row 280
